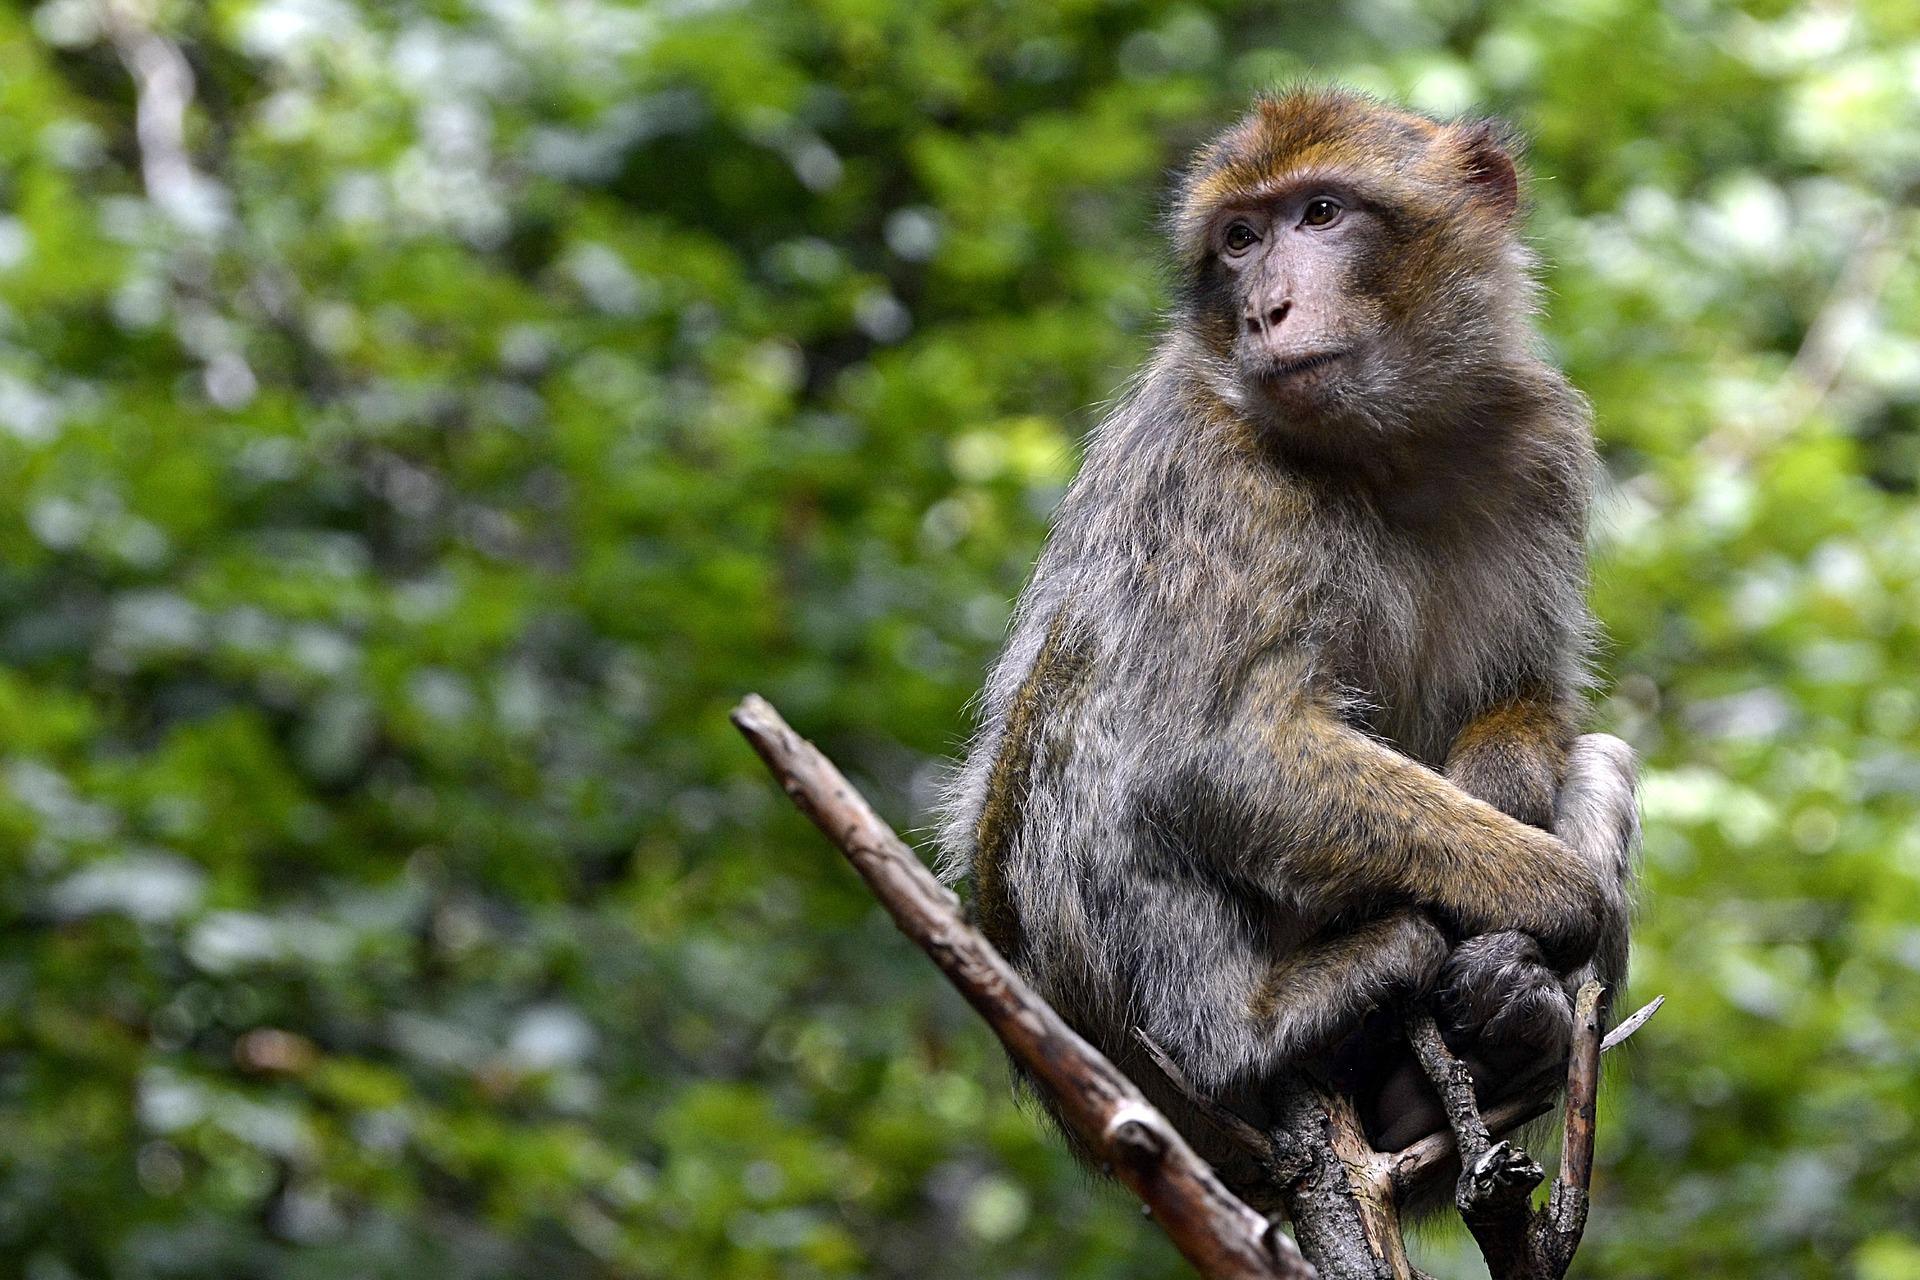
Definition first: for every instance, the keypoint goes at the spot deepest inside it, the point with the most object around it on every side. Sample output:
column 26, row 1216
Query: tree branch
column 1496, row 1178
column 1565, row 1219
column 1220, row 1234
column 1279, row 1156
column 1343, row 1210
column 163, row 94
column 1413, row 1163
column 1496, row 1185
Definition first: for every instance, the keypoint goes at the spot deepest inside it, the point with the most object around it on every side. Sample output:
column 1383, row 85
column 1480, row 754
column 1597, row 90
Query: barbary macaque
column 1286, row 737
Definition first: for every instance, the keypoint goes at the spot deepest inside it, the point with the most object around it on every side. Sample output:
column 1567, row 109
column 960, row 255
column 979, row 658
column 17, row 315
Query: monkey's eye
column 1240, row 238
column 1321, row 211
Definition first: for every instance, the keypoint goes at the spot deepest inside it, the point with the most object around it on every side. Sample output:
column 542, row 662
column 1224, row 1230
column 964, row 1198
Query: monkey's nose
column 1267, row 321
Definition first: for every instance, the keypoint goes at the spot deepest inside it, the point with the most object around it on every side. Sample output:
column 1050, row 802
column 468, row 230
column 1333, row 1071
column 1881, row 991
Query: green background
column 420, row 422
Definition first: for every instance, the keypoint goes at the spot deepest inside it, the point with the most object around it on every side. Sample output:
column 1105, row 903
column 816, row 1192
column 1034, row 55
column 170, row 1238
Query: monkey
column 1285, row 737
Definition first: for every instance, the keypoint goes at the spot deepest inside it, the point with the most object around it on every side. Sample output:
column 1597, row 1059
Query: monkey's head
column 1354, row 270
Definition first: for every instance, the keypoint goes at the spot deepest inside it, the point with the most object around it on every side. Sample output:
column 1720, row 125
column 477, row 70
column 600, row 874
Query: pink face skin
column 1288, row 258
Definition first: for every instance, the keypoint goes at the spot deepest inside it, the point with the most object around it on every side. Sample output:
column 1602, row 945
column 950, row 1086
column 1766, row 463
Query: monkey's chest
column 1432, row 647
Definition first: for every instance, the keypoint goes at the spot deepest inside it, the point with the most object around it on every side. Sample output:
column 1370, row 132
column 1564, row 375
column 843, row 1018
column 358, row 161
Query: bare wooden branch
column 1219, row 1233
column 1630, row 1024
column 1818, row 370
column 1565, row 1218
column 1496, row 1185
column 1497, row 1179
column 1277, row 1153
column 1454, row 1085
column 1342, row 1206
column 1416, row 1161
column 1338, row 1190
column 163, row 95
column 1846, row 313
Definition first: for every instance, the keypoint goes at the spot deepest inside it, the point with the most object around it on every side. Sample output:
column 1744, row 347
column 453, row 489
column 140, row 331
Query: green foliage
column 401, row 489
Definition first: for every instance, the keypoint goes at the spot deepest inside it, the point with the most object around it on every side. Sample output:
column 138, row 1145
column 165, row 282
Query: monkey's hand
column 1504, row 1010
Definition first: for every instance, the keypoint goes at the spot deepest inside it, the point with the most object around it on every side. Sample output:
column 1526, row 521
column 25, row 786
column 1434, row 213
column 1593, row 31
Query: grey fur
column 1159, row 828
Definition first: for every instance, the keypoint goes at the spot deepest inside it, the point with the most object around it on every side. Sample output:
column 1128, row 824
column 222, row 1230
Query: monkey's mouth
column 1282, row 370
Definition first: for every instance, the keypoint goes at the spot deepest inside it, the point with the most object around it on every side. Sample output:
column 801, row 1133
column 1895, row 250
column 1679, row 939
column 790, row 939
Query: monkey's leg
column 1321, row 994
column 1599, row 813
column 1514, row 756
column 1497, row 995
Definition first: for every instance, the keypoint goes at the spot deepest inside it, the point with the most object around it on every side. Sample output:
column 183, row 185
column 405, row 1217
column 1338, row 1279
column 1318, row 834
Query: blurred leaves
column 409, row 468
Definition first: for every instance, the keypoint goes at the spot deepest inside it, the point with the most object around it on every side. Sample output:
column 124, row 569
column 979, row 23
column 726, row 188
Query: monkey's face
column 1352, row 268
column 1304, row 328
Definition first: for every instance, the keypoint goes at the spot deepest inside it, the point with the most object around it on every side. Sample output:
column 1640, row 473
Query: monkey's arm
column 1339, row 824
column 1515, row 755
column 1503, row 1005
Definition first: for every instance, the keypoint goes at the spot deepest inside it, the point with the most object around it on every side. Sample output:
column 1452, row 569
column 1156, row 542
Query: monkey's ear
column 1487, row 158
